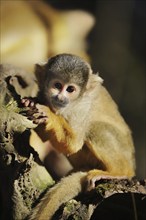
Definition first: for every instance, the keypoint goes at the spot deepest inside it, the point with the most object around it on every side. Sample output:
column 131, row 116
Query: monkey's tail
column 66, row 189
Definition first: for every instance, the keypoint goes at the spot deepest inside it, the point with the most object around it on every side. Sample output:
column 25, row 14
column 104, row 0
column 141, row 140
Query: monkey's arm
column 58, row 131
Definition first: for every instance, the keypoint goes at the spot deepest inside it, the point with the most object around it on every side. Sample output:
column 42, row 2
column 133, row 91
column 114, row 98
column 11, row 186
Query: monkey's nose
column 61, row 101
column 60, row 97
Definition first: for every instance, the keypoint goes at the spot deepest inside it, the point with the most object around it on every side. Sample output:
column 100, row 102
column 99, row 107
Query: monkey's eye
column 70, row 89
column 58, row 85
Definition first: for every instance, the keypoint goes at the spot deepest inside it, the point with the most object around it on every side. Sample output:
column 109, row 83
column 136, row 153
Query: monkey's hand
column 33, row 112
column 54, row 127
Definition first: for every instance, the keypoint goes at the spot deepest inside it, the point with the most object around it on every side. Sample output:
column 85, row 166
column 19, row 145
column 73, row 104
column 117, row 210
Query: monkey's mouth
column 57, row 103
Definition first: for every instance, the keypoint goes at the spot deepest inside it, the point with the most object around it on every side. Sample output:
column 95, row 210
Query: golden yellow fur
column 89, row 130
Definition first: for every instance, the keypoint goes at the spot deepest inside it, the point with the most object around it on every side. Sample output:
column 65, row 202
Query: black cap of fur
column 69, row 67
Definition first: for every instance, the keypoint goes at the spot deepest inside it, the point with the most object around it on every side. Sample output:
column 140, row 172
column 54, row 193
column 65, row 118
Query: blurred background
column 110, row 34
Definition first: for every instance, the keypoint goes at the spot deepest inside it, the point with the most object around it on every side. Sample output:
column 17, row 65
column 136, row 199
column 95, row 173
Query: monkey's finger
column 42, row 108
column 25, row 102
column 28, row 102
column 40, row 120
column 37, row 117
column 29, row 112
column 39, row 114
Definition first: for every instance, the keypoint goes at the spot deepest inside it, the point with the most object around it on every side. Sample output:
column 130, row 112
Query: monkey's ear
column 93, row 81
column 98, row 78
column 40, row 74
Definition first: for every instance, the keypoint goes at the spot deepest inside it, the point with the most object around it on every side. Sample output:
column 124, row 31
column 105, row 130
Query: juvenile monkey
column 83, row 122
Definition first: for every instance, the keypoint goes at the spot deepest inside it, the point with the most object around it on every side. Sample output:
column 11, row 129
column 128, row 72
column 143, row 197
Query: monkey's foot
column 94, row 176
column 33, row 112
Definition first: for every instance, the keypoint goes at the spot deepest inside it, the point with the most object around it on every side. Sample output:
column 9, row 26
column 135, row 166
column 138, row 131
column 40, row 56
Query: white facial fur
column 61, row 94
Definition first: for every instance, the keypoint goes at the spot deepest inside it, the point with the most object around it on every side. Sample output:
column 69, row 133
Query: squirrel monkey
column 83, row 122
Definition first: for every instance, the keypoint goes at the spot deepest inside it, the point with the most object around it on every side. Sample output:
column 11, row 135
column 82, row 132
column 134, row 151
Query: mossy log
column 23, row 178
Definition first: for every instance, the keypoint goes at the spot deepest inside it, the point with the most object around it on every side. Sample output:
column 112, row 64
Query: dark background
column 117, row 47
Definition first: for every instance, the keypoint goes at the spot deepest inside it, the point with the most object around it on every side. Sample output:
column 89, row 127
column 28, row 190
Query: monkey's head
column 63, row 79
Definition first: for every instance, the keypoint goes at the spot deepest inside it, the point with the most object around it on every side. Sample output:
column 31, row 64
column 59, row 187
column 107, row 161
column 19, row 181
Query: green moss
column 103, row 187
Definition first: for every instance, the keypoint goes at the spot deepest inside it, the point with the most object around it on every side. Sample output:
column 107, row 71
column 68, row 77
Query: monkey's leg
column 114, row 149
